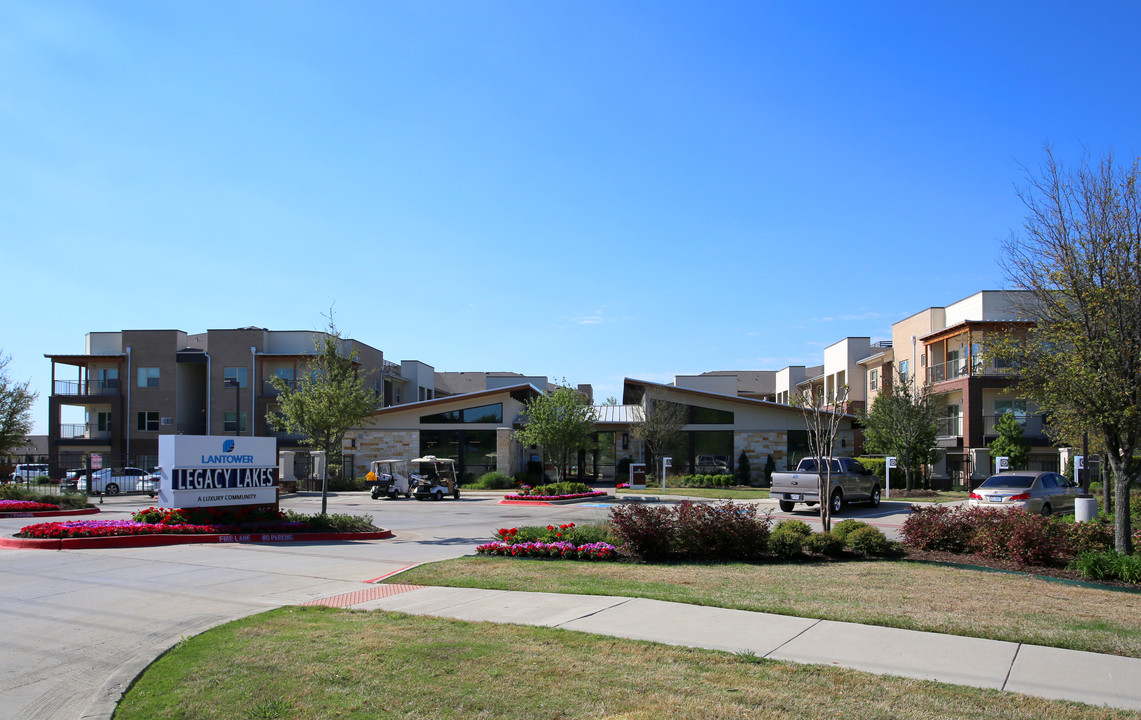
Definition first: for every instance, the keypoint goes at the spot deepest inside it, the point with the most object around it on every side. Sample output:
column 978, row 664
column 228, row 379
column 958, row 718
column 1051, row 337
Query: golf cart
column 392, row 479
column 438, row 479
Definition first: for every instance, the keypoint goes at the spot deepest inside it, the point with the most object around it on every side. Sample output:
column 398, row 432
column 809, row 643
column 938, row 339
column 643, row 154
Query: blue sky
column 589, row 190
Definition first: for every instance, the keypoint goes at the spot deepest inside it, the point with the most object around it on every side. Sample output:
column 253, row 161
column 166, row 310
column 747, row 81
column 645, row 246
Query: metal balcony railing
column 950, row 427
column 975, row 367
column 83, row 431
column 83, row 387
column 1033, row 426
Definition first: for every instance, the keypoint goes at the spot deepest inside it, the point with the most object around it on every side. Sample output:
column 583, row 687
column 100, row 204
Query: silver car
column 1033, row 491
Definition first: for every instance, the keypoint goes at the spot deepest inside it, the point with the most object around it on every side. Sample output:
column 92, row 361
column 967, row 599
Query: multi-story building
column 132, row 386
column 752, row 384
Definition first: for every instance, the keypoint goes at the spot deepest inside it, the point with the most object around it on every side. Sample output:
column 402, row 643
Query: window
column 103, row 421
column 109, row 378
column 148, row 421
column 148, row 377
column 234, row 422
column 236, row 372
column 482, row 414
column 285, row 375
column 904, row 369
column 376, row 388
column 1008, row 407
column 709, row 416
column 873, row 379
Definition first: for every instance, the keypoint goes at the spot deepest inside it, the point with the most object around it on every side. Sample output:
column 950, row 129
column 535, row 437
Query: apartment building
column 132, row 386
column 752, row 384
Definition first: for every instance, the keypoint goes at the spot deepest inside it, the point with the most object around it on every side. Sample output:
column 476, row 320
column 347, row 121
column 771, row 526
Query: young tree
column 561, row 422
column 903, row 422
column 743, row 472
column 661, row 426
column 15, row 409
column 1079, row 259
column 326, row 401
column 1009, row 442
column 822, row 420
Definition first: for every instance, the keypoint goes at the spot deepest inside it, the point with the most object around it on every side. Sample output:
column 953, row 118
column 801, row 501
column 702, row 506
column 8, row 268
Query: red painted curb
column 134, row 541
column 570, row 501
column 48, row 513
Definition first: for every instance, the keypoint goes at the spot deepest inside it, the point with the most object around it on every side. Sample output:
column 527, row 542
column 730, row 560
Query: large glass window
column 1011, row 407
column 148, row 377
column 285, row 375
column 473, row 450
column 239, row 373
column 709, row 416
column 108, row 378
column 482, row 414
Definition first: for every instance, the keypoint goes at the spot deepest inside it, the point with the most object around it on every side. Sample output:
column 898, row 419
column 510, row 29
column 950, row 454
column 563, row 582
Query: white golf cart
column 392, row 479
column 437, row 478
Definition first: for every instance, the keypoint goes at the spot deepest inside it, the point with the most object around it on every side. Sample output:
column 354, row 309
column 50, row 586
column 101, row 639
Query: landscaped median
column 555, row 494
column 161, row 526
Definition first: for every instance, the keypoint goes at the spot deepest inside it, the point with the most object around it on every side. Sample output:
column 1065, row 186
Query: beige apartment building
column 132, row 386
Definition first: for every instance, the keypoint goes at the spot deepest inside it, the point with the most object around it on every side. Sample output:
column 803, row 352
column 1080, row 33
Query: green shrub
column 799, row 527
column 66, row 501
column 493, row 480
column 843, row 528
column 786, row 542
column 877, row 465
column 869, row 541
column 562, row 488
column 337, row 522
column 692, row 531
column 343, row 484
column 824, row 543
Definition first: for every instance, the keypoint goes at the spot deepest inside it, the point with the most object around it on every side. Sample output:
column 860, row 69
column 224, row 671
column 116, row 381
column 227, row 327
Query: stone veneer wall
column 384, row 444
column 759, row 445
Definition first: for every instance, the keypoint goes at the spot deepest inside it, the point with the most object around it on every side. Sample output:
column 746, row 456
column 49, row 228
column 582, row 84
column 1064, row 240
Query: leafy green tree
column 326, row 401
column 1009, row 442
column 15, row 410
column 1078, row 259
column 661, row 426
column 903, row 422
column 561, row 422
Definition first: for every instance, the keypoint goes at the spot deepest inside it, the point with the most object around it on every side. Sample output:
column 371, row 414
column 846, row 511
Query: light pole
column 234, row 383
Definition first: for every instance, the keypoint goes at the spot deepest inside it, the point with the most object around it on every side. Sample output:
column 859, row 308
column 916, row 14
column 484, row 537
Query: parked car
column 1035, row 492
column 851, row 482
column 29, row 472
column 114, row 481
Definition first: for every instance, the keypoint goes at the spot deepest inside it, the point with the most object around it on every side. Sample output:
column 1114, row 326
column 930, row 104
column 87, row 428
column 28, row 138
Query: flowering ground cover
column 549, row 498
column 25, row 506
column 567, row 541
column 198, row 521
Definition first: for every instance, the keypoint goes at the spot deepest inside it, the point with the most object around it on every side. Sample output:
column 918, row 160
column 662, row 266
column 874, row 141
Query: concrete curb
column 136, row 541
column 568, row 501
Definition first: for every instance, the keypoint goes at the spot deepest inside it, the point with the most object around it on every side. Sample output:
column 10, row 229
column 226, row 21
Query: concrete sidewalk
column 1041, row 671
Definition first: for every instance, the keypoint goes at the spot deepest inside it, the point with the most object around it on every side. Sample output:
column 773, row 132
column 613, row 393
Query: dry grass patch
column 915, row 596
column 317, row 662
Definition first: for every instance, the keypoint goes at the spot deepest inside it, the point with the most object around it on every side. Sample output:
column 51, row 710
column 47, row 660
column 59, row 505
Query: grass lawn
column 730, row 493
column 914, row 596
column 942, row 496
column 314, row 662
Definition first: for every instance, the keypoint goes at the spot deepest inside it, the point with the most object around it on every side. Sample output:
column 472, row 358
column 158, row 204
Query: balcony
column 949, row 427
column 80, row 388
column 84, row 431
column 960, row 368
column 1033, row 426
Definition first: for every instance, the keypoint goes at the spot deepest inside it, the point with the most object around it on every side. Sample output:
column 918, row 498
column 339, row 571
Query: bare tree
column 822, row 420
column 662, row 426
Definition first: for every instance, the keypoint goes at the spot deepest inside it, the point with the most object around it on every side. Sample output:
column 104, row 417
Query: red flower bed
column 25, row 506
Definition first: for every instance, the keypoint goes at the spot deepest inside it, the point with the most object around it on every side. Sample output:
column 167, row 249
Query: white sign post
column 887, row 473
column 215, row 470
column 1001, row 463
column 1079, row 465
column 667, row 462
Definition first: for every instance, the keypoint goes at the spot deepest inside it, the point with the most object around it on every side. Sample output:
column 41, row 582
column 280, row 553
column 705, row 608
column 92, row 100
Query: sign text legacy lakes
column 222, row 478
